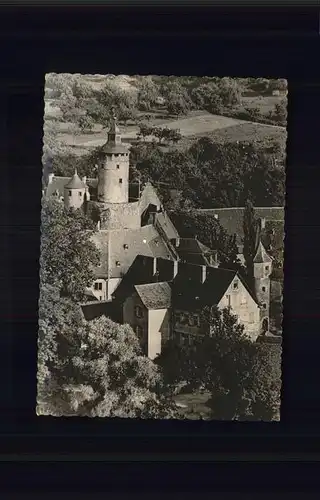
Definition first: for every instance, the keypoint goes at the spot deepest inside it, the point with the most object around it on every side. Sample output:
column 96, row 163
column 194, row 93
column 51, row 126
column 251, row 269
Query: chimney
column 177, row 242
column 175, row 268
column 203, row 273
column 84, row 179
column 50, row 178
column 98, row 225
column 263, row 223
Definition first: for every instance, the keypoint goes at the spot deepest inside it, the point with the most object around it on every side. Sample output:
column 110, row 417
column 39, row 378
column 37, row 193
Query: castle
column 134, row 225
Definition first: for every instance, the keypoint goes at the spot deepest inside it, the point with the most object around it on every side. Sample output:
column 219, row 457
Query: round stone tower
column 74, row 192
column 113, row 168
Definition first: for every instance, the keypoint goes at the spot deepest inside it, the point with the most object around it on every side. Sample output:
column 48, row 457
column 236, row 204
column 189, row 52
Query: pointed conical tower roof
column 261, row 255
column 75, row 182
column 114, row 144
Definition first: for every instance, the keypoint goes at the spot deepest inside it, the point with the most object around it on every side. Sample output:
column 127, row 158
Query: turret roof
column 75, row 182
column 261, row 255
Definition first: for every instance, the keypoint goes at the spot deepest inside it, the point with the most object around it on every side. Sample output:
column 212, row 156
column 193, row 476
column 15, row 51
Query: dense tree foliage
column 148, row 92
column 93, row 368
column 210, row 174
column 243, row 378
column 68, row 256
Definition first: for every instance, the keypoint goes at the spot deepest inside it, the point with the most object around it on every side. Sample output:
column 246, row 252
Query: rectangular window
column 80, row 194
column 100, row 286
column 120, row 181
column 138, row 312
column 118, row 166
column 96, row 286
column 263, row 288
column 70, row 193
column 243, row 300
column 100, row 298
column 235, row 285
column 228, row 297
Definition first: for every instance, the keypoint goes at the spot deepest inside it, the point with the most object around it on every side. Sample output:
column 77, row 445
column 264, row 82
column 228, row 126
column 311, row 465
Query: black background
column 280, row 42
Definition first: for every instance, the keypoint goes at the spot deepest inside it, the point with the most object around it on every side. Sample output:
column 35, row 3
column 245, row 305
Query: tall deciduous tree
column 249, row 240
column 68, row 256
column 147, row 94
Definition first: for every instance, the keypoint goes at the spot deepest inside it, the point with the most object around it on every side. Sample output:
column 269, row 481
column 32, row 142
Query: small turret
column 74, row 192
column 262, row 268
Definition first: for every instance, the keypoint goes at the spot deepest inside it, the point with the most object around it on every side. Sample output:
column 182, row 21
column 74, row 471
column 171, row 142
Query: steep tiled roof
column 148, row 196
column 231, row 219
column 166, row 225
column 101, row 240
column 192, row 245
column 75, row 182
column 187, row 290
column 58, row 184
column 119, row 249
column 191, row 294
column 193, row 251
column 155, row 295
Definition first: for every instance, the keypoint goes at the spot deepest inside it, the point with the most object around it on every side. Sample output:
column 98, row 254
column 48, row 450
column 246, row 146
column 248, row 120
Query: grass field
column 191, row 127
column 263, row 103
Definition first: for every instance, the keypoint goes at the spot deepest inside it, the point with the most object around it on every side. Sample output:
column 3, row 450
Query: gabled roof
column 155, row 295
column 75, row 182
column 261, row 255
column 166, row 225
column 190, row 294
